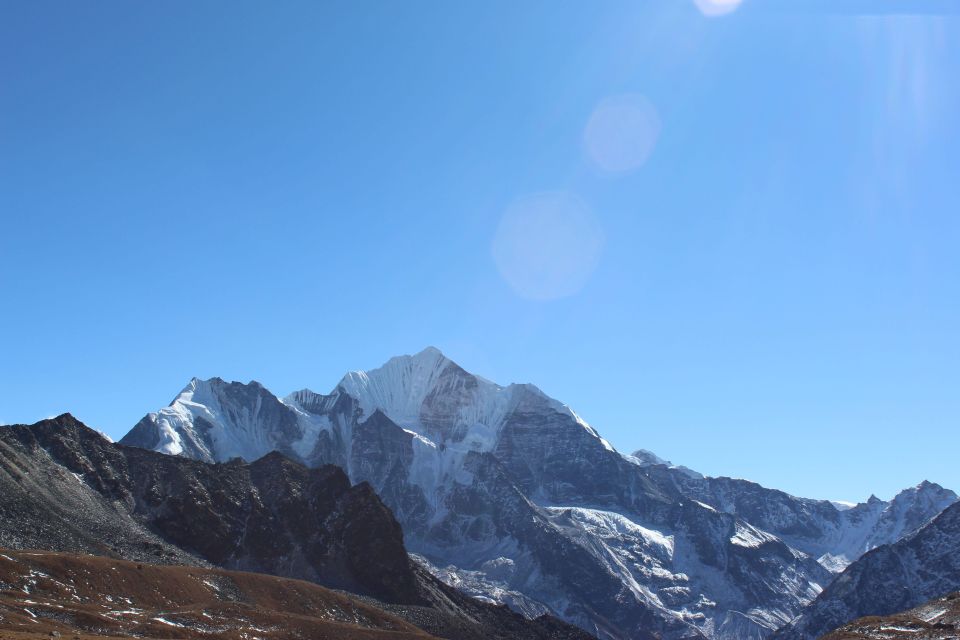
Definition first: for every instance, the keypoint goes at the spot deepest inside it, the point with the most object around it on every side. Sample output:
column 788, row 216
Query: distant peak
column 926, row 488
column 216, row 381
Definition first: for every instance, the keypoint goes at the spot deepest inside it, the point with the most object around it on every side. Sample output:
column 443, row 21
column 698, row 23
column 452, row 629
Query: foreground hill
column 892, row 578
column 938, row 619
column 512, row 496
column 63, row 487
column 44, row 592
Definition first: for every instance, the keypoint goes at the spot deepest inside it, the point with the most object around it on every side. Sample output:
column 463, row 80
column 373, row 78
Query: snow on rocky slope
column 835, row 535
column 888, row 579
column 937, row 619
column 511, row 495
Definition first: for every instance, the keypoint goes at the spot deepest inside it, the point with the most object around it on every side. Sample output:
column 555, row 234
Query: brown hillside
column 938, row 619
column 77, row 596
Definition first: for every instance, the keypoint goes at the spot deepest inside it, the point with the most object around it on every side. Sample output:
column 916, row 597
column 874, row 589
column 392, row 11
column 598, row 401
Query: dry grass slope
column 85, row 597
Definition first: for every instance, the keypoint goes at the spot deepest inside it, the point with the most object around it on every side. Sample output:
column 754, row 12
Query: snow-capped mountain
column 891, row 578
column 512, row 496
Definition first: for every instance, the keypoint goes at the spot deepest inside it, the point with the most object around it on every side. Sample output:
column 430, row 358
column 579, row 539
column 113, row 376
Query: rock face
column 509, row 494
column 891, row 578
column 63, row 487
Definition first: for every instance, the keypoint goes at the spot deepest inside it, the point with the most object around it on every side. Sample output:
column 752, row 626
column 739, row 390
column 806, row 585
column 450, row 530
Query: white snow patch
column 750, row 537
column 843, row 505
column 608, row 521
column 833, row 563
column 162, row 620
column 930, row 616
column 704, row 505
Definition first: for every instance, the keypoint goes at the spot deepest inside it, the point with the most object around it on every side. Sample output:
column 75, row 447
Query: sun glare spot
column 547, row 245
column 717, row 7
column 621, row 133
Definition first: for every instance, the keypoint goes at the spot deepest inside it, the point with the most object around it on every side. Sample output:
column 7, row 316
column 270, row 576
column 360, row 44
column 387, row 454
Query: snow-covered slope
column 214, row 421
column 509, row 494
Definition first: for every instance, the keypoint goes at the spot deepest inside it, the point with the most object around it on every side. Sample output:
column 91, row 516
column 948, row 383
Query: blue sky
column 730, row 239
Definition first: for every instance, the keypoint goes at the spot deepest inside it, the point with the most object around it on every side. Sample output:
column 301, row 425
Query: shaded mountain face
column 63, row 487
column 509, row 494
column 937, row 619
column 891, row 578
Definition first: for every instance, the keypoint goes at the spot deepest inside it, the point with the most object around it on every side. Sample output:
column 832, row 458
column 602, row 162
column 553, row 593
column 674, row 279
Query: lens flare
column 547, row 245
column 717, row 7
column 621, row 133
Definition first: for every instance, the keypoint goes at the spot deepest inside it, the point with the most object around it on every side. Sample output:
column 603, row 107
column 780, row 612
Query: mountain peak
column 215, row 385
column 429, row 351
column 646, row 457
column 925, row 488
column 66, row 419
column 400, row 385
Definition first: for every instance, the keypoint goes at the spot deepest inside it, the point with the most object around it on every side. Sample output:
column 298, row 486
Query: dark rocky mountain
column 938, row 619
column 63, row 487
column 271, row 516
column 891, row 578
column 511, row 496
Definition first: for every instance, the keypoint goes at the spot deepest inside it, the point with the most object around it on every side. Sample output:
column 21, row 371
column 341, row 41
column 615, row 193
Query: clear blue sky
column 731, row 239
